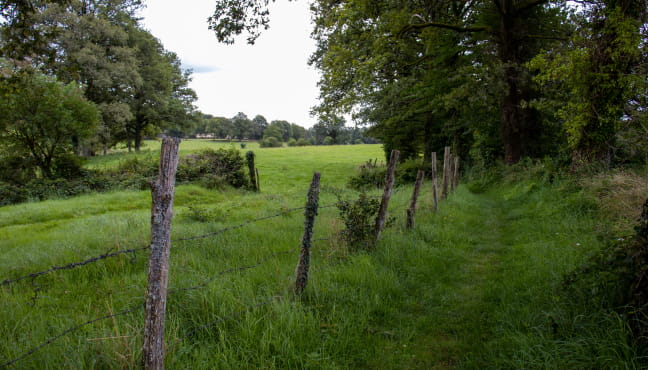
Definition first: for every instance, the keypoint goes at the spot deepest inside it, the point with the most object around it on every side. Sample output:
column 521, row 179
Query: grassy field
column 476, row 285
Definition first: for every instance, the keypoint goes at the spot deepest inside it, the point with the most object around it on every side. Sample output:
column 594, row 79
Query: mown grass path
column 484, row 278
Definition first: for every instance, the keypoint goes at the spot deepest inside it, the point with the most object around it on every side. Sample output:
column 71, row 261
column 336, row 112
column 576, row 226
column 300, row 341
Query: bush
column 369, row 175
column 303, row 142
column 15, row 169
column 407, row 171
column 359, row 221
column 292, row 142
column 68, row 166
column 222, row 163
column 271, row 142
column 11, row 194
column 329, row 141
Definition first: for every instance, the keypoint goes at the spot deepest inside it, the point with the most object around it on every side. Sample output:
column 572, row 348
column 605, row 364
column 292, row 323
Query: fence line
column 204, row 284
column 72, row 265
column 107, row 255
column 141, row 305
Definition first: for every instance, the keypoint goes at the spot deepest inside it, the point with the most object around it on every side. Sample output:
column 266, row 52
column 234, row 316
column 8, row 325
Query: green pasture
column 476, row 285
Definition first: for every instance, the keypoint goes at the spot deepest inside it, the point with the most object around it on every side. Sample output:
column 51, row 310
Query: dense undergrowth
column 486, row 282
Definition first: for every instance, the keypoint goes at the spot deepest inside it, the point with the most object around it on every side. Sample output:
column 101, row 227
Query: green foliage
column 369, row 175
column 303, row 142
column 43, row 121
column 616, row 277
column 359, row 218
column 220, row 163
column 292, row 142
column 475, row 285
column 407, row 171
column 270, row 142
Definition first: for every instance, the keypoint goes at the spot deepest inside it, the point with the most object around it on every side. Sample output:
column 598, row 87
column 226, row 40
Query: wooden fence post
column 162, row 191
column 451, row 182
column 435, row 182
column 389, row 184
column 249, row 157
column 446, row 173
column 258, row 180
column 309, row 215
column 412, row 208
column 455, row 176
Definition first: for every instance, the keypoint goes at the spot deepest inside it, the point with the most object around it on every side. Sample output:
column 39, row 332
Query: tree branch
column 420, row 26
column 543, row 37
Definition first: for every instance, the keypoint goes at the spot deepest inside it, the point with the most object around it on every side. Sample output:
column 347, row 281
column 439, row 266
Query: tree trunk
column 138, row 139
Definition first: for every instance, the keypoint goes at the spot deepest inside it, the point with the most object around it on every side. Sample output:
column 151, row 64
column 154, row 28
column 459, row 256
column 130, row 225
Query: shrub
column 271, row 142
column 292, row 142
column 68, row 166
column 16, row 169
column 303, row 142
column 369, row 175
column 359, row 219
column 329, row 140
column 406, row 172
column 224, row 163
column 11, row 194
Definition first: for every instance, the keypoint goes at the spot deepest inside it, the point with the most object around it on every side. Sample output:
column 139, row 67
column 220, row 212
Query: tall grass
column 476, row 285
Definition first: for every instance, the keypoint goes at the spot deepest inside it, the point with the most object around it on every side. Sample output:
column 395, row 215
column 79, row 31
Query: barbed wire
column 72, row 265
column 68, row 331
column 107, row 255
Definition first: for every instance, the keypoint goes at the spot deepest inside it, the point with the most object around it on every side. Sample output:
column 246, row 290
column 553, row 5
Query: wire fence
column 203, row 284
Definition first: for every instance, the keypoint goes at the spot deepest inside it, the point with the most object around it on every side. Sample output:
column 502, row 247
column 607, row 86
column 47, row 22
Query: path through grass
column 476, row 285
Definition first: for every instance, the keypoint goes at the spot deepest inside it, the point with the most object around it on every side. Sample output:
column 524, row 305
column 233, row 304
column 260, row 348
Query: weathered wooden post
column 435, row 182
column 412, row 208
column 249, row 158
column 389, row 184
column 309, row 214
column 162, row 191
column 446, row 172
column 258, row 180
column 451, row 182
column 455, row 176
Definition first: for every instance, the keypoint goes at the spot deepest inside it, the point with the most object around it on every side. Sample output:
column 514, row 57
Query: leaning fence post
column 162, row 191
column 258, row 181
column 309, row 215
column 446, row 173
column 435, row 184
column 389, row 184
column 455, row 176
column 412, row 208
column 249, row 157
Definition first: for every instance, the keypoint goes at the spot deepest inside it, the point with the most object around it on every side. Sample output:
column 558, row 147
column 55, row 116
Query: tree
column 43, row 119
column 163, row 99
column 242, row 126
column 93, row 48
column 596, row 84
column 259, row 124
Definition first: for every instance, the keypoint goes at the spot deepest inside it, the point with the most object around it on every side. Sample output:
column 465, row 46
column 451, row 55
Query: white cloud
column 271, row 77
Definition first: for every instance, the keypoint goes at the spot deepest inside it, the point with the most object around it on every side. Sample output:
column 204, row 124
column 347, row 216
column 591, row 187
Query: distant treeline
column 274, row 133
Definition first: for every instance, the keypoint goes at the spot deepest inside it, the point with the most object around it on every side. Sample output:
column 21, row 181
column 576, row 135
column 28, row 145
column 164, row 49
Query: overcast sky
column 270, row 78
